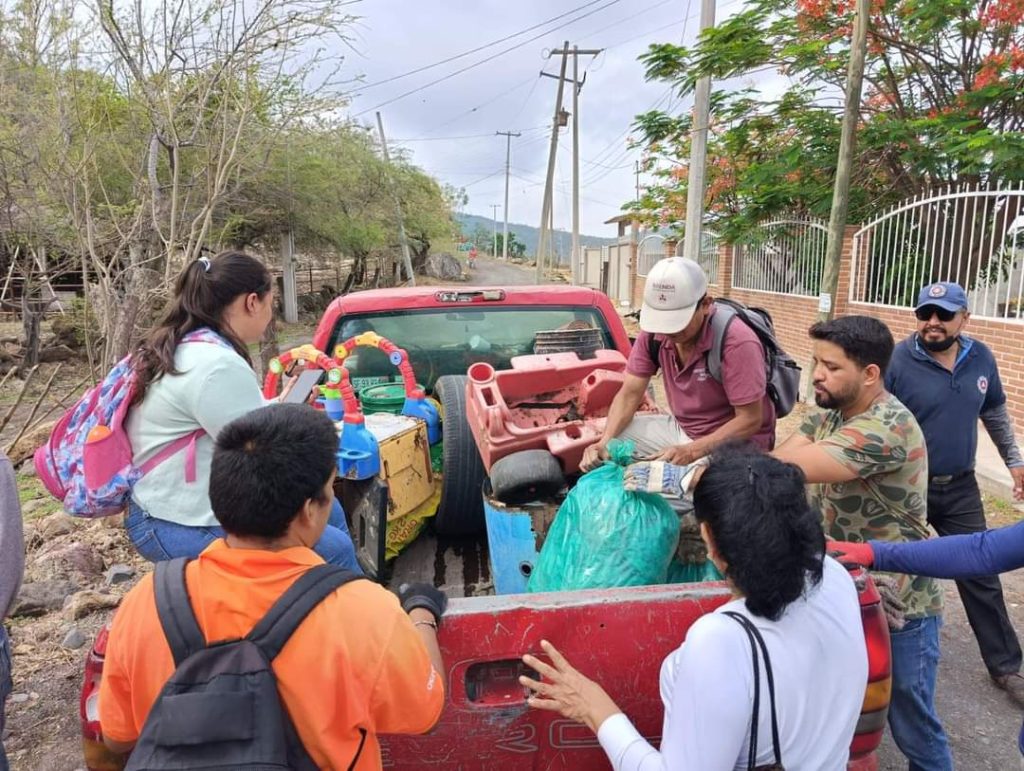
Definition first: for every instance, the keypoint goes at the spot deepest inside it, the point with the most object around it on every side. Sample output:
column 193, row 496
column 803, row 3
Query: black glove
column 423, row 596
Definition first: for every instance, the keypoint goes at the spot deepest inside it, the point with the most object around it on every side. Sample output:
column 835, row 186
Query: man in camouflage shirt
column 865, row 461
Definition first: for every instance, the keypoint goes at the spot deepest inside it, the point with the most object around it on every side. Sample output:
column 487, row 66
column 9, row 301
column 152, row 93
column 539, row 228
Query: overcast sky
column 394, row 37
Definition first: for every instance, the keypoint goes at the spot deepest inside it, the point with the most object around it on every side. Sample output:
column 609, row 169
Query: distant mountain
column 530, row 235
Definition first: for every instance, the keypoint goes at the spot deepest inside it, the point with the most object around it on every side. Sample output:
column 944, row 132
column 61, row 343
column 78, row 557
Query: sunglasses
column 926, row 313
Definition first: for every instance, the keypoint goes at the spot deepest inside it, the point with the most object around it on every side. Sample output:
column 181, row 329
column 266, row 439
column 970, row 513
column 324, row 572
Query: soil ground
column 42, row 732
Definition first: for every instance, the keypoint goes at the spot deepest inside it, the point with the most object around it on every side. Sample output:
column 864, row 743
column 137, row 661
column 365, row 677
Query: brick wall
column 794, row 314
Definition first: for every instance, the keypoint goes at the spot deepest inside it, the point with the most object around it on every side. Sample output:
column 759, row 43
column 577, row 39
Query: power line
column 634, row 15
column 482, row 179
column 463, row 136
column 477, row 49
column 484, row 104
column 485, row 61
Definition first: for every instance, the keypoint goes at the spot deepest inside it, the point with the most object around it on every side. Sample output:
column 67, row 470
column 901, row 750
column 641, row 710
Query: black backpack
column 783, row 373
column 221, row 708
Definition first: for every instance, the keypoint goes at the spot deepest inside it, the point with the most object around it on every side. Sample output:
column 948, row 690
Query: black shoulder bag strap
column 292, row 607
column 756, row 641
column 174, row 608
column 654, row 351
column 724, row 314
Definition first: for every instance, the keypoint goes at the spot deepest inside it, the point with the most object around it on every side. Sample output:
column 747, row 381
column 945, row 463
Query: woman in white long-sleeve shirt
column 195, row 377
column 763, row 537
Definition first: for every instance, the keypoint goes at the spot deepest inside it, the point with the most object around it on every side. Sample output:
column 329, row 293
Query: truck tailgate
column 618, row 637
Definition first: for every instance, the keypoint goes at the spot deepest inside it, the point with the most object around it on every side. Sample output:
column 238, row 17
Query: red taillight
column 88, row 705
column 95, row 753
column 871, row 725
column 865, row 743
column 876, row 636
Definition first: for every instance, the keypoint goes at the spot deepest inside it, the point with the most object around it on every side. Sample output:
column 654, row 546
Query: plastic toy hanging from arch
column 416, row 403
column 358, row 450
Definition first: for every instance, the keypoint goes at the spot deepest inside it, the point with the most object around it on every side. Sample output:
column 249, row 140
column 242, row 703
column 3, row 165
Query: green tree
column 516, row 248
column 943, row 105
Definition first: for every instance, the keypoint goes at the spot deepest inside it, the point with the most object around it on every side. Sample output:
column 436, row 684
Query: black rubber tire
column 525, row 476
column 461, row 510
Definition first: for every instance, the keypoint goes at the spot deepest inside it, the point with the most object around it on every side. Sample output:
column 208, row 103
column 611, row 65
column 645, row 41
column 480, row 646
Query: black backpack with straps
column 221, row 707
column 782, row 371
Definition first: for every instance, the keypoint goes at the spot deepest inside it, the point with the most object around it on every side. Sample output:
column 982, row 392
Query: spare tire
column 461, row 510
column 528, row 475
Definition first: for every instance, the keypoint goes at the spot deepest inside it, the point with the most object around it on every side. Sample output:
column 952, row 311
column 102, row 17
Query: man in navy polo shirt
column 948, row 381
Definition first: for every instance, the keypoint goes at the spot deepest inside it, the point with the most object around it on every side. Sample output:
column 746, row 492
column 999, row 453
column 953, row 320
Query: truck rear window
column 446, row 341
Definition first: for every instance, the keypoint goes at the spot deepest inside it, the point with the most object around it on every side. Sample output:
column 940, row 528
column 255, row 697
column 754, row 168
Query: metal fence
column 652, row 248
column 649, row 250
column 784, row 255
column 973, row 235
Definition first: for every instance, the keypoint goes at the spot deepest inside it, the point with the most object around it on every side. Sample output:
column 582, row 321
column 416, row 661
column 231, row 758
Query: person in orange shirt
column 363, row 661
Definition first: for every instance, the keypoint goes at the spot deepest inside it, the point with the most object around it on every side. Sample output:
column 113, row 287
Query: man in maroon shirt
column 704, row 413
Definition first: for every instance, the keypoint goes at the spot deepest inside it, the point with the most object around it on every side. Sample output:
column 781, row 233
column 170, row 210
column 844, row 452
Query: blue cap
column 943, row 294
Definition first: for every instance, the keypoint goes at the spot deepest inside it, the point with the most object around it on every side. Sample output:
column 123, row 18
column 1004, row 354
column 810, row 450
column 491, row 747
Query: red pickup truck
column 618, row 636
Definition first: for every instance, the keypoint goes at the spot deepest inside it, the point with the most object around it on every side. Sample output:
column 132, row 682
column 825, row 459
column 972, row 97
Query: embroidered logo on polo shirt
column 983, row 384
column 937, row 290
column 701, row 374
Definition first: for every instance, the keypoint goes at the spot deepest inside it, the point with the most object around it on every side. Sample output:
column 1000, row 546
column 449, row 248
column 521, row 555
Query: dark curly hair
column 764, row 528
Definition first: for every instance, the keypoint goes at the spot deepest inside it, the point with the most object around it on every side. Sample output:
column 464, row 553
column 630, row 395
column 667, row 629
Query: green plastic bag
column 604, row 536
column 692, row 572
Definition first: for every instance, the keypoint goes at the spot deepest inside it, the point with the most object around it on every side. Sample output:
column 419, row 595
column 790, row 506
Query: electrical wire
column 484, row 104
column 462, row 136
column 632, row 16
column 471, row 51
column 483, row 61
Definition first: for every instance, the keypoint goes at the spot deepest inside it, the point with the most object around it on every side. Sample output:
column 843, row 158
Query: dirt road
column 490, row 272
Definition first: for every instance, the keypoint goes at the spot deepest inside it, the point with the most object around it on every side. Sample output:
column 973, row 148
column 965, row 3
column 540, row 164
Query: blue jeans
column 915, row 725
column 158, row 540
column 6, row 685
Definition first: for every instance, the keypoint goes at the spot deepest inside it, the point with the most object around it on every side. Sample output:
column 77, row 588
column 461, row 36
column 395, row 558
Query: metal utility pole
column 844, row 164
column 698, row 149
column 494, row 229
column 406, row 258
column 636, row 171
column 508, row 156
column 545, row 212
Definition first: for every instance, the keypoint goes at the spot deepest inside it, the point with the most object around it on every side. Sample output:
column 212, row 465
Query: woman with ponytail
column 195, row 376
column 764, row 538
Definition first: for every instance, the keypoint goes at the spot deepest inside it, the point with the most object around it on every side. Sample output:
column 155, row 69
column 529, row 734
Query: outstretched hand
column 851, row 553
column 566, row 691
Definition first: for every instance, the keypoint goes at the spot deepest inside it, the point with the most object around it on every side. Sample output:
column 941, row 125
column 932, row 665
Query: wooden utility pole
column 545, row 211
column 574, row 255
column 547, row 214
column 406, row 258
column 698, row 149
column 508, row 157
column 844, row 164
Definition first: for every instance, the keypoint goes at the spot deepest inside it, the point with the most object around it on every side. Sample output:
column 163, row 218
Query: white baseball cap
column 674, row 287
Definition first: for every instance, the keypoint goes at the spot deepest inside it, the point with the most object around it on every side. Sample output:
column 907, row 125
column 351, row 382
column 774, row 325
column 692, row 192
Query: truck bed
column 458, row 566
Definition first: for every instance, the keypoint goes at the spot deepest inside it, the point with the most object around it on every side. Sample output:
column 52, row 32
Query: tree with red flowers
column 943, row 104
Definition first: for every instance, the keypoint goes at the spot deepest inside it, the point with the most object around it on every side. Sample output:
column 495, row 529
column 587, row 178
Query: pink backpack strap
column 188, row 443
